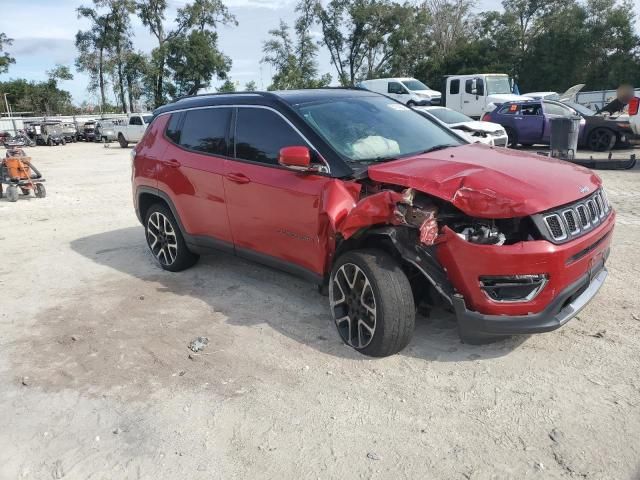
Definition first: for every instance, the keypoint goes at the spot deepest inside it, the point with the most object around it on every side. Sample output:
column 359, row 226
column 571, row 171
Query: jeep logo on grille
column 583, row 189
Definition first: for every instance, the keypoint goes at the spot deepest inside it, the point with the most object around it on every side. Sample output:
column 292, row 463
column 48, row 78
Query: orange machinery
column 19, row 175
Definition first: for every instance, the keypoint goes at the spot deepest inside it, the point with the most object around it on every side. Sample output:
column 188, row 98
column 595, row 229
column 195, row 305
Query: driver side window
column 396, row 88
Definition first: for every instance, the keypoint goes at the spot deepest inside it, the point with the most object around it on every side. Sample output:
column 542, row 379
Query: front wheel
column 411, row 104
column 165, row 240
column 122, row 141
column 40, row 191
column 12, row 193
column 601, row 140
column 371, row 302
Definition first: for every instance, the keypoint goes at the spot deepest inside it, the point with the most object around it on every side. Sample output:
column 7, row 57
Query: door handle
column 465, row 101
column 238, row 177
column 173, row 163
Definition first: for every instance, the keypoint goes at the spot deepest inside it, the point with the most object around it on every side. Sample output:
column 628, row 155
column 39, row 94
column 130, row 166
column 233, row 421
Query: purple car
column 527, row 123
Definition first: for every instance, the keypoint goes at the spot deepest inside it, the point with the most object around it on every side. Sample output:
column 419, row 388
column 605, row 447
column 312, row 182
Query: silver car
column 104, row 132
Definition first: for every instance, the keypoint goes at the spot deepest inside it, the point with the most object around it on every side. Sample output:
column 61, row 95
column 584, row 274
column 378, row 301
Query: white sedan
column 472, row 130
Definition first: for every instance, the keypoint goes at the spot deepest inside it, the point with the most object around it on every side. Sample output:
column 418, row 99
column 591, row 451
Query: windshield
column 415, row 85
column 374, row 129
column 498, row 85
column 147, row 118
column 446, row 115
column 581, row 109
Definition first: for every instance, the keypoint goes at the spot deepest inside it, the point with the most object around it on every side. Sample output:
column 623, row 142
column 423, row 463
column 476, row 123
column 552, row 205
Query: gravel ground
column 96, row 379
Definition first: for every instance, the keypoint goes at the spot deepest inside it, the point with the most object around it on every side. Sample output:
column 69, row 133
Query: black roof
column 288, row 97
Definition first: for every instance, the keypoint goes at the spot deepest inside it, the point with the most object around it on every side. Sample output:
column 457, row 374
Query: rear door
column 192, row 172
column 273, row 211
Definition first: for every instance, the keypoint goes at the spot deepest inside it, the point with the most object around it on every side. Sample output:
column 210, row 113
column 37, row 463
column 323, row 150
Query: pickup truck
column 477, row 94
column 133, row 130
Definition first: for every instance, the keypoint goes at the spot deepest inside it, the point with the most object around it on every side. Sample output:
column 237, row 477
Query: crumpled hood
column 478, row 126
column 491, row 182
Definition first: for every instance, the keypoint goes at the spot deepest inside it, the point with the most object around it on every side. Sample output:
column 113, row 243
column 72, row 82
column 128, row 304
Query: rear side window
column 261, row 133
column 135, row 121
column 205, row 130
column 454, row 87
column 173, row 133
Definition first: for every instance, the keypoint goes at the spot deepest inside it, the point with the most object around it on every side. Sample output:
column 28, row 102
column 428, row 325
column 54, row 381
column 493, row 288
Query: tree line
column 543, row 44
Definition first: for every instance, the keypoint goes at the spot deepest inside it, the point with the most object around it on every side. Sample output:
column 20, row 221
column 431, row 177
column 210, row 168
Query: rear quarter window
column 173, row 132
column 454, row 87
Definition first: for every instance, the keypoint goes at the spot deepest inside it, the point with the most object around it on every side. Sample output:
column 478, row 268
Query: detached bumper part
column 474, row 326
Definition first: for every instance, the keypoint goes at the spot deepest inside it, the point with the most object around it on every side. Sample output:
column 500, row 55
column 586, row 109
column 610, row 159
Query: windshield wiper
column 375, row 159
column 438, row 147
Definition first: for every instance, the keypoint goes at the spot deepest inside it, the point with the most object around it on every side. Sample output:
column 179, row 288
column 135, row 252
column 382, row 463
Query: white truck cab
column 478, row 93
column 407, row 90
column 133, row 130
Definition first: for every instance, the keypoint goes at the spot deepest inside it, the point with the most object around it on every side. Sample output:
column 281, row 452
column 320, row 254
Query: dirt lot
column 96, row 380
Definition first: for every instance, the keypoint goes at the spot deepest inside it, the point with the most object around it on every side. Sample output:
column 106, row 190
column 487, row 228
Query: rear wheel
column 122, row 141
column 165, row 240
column 371, row 302
column 50, row 142
column 601, row 140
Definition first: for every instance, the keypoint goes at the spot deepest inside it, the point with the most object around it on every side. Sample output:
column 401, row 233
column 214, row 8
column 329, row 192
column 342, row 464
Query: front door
column 529, row 123
column 473, row 100
column 193, row 169
column 274, row 211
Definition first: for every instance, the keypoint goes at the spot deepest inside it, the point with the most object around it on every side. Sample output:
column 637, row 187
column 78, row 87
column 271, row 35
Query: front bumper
column 565, row 306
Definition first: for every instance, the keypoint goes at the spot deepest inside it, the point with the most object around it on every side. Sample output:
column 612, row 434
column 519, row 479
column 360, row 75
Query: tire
column 512, row 140
column 12, row 193
column 122, row 141
column 601, row 139
column 40, row 191
column 411, row 104
column 25, row 191
column 371, row 285
column 63, row 142
column 165, row 240
column 50, row 142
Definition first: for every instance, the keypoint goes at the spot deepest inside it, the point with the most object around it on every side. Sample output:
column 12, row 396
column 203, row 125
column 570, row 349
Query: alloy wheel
column 353, row 305
column 162, row 239
column 600, row 140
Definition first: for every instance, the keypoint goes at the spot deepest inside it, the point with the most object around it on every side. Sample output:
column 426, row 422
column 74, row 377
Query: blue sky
column 44, row 31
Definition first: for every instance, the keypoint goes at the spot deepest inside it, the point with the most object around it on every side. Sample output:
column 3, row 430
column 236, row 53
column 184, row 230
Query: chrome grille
column 574, row 220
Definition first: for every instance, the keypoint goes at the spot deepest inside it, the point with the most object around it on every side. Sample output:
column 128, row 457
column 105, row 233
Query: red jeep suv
column 381, row 207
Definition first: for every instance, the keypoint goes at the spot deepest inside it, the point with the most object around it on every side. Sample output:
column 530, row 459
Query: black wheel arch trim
column 404, row 240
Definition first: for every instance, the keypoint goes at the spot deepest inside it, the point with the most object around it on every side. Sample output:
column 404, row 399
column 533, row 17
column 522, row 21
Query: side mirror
column 297, row 158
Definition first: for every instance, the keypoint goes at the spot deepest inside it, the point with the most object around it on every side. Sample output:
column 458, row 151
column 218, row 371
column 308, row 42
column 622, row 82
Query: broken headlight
column 482, row 234
column 513, row 288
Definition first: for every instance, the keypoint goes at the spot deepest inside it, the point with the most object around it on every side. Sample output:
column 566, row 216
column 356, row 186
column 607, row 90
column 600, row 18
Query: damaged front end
column 413, row 225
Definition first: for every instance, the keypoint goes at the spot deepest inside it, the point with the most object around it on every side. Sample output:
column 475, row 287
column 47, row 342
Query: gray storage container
column 564, row 137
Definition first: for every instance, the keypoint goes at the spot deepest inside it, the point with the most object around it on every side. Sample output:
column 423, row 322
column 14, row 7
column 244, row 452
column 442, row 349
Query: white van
column 407, row 90
column 478, row 93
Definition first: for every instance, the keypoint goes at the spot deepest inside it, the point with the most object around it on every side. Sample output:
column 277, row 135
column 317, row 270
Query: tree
column 41, row 98
column 5, row 58
column 227, row 87
column 364, row 37
column 182, row 44
column 92, row 46
column 60, row 72
column 250, row 86
column 119, row 40
column 134, row 69
column 294, row 61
